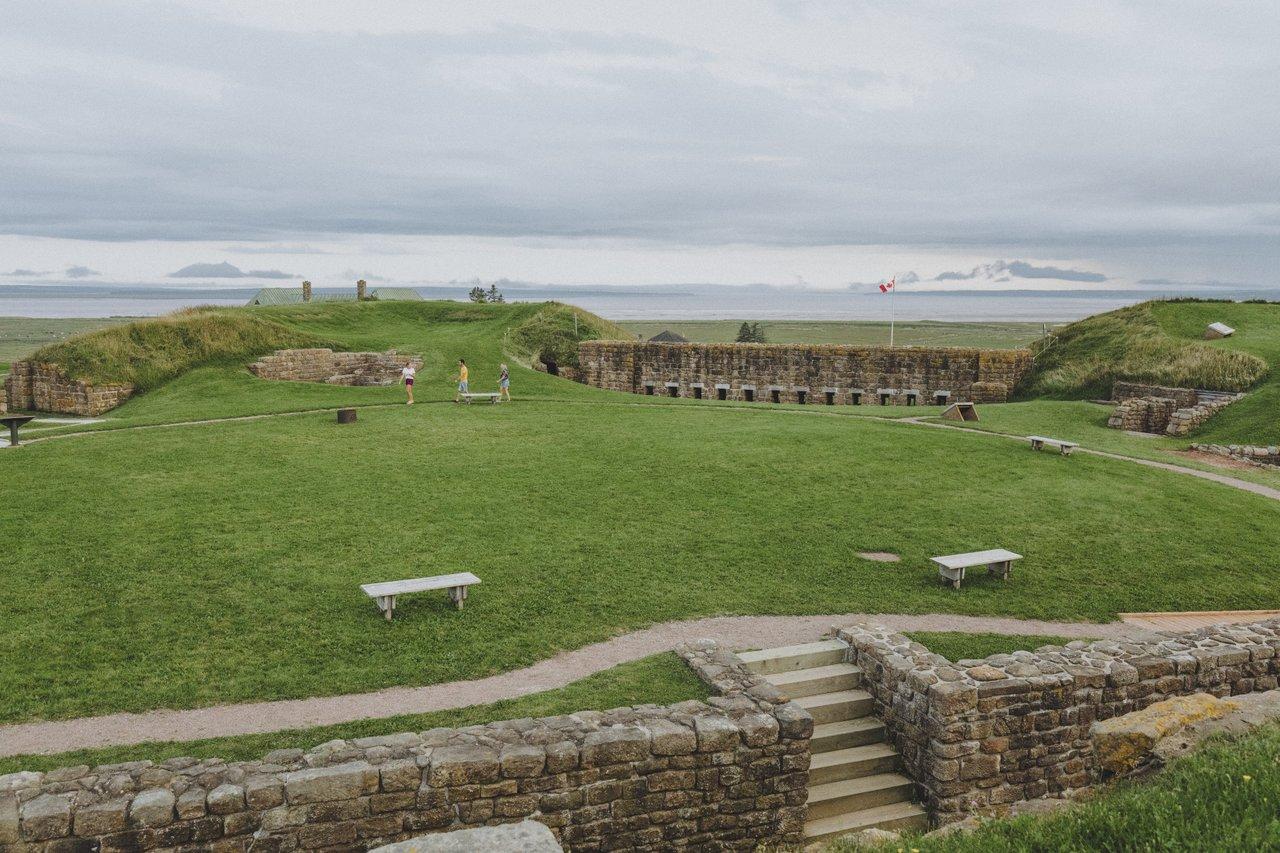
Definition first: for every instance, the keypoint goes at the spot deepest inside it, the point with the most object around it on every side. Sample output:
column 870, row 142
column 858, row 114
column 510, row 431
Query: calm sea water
column 693, row 302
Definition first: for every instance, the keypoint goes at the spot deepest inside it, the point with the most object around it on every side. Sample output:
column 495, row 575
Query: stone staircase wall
column 1263, row 457
column 334, row 368
column 728, row 773
column 43, row 387
column 1162, row 410
column 980, row 733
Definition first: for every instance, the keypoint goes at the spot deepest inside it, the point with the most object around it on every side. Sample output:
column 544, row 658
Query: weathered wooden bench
column 13, row 422
column 384, row 594
column 998, row 562
column 491, row 396
column 1039, row 442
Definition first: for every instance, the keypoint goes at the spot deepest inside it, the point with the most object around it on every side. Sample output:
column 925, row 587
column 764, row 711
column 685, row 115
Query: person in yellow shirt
column 463, row 386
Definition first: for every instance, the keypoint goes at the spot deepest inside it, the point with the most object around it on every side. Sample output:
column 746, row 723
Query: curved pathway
column 740, row 632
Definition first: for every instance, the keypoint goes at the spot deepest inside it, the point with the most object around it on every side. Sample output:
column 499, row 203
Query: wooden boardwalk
column 1191, row 619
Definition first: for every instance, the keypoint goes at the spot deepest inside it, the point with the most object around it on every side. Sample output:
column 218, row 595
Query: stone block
column 339, row 782
column 614, row 746
column 102, row 818
column 525, row 837
column 225, row 799
column 152, row 808
column 1123, row 743
column 463, row 765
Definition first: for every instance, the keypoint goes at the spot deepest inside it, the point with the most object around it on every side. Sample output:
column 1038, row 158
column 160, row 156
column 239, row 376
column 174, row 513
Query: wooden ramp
column 1191, row 619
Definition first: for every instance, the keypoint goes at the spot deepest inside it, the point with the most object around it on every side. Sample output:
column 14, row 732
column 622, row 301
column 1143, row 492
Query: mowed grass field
column 856, row 332
column 198, row 564
column 193, row 565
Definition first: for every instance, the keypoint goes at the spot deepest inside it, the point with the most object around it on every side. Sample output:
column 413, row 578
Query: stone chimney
column 360, row 291
column 306, row 291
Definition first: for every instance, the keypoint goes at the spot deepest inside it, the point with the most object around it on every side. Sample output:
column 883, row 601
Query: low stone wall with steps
column 334, row 368
column 730, row 773
column 1163, row 410
column 980, row 733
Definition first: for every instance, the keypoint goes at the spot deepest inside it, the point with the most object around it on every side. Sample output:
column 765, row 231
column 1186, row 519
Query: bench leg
column 1001, row 569
column 458, row 595
column 387, row 604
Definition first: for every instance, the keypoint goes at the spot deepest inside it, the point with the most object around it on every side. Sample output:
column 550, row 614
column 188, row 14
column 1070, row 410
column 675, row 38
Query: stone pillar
column 360, row 290
column 306, row 291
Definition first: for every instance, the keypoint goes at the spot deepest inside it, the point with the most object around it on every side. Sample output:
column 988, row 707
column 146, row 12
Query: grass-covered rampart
column 148, row 353
column 1134, row 343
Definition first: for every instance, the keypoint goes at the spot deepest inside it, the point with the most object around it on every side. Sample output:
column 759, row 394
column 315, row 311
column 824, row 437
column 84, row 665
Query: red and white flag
column 887, row 286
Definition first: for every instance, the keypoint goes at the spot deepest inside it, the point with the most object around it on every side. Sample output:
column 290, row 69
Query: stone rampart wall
column 1166, row 414
column 980, row 733
column 803, row 373
column 42, row 387
column 1183, row 397
column 729, row 773
column 334, row 368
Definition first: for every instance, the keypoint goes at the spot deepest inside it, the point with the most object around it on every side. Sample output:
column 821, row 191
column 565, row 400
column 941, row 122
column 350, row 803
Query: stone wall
column 1263, row 457
column 1182, row 397
column 42, row 387
column 803, row 373
column 729, row 773
column 980, row 733
column 334, row 368
column 1168, row 415
column 1143, row 414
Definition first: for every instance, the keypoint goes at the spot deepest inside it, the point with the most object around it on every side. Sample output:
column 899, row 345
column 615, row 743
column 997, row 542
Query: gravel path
column 740, row 632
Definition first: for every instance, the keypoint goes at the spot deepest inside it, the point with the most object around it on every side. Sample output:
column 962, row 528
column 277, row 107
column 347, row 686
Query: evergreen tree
column 757, row 334
column 477, row 294
column 494, row 295
column 744, row 334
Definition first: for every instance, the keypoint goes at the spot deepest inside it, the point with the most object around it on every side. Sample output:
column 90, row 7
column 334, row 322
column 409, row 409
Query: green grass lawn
column 957, row 645
column 859, row 332
column 193, row 565
column 661, row 679
column 1223, row 797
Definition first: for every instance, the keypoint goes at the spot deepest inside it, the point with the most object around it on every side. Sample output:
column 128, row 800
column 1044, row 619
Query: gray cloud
column 998, row 124
column 80, row 272
column 24, row 273
column 1004, row 270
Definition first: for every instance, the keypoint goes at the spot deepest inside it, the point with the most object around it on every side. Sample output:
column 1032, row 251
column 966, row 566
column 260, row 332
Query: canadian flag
column 887, row 286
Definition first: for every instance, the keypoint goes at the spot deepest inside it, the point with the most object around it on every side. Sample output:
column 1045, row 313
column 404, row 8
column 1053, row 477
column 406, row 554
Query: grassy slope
column 926, row 333
column 661, row 679
column 1223, row 797
column 955, row 645
column 147, row 567
column 1134, row 343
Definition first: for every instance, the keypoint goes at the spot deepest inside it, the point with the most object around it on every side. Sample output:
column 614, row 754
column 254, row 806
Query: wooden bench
column 491, row 396
column 998, row 562
column 384, row 594
column 1039, row 442
column 13, row 422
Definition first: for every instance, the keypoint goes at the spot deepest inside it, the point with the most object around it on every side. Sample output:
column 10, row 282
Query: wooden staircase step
column 851, row 795
column 849, row 763
column 896, row 816
column 788, row 658
column 840, row 705
column 846, row 733
column 818, row 679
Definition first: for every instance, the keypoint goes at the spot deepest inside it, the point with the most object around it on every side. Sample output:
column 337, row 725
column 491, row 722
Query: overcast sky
column 821, row 140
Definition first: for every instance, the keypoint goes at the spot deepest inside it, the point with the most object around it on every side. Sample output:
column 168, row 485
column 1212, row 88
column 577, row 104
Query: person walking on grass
column 464, row 387
column 407, row 376
column 504, row 384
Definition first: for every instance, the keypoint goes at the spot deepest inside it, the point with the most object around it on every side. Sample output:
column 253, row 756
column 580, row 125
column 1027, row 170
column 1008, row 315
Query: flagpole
column 892, row 292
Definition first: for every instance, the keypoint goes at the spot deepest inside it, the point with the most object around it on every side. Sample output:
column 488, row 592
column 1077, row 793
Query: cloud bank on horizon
column 1134, row 135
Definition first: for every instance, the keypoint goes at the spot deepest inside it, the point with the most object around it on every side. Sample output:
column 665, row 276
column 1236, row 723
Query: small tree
column 477, row 294
column 744, row 334
column 494, row 294
column 757, row 334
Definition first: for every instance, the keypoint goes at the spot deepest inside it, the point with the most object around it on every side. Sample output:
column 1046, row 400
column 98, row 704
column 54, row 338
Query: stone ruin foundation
column 1159, row 410
column 43, row 387
column 334, row 368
